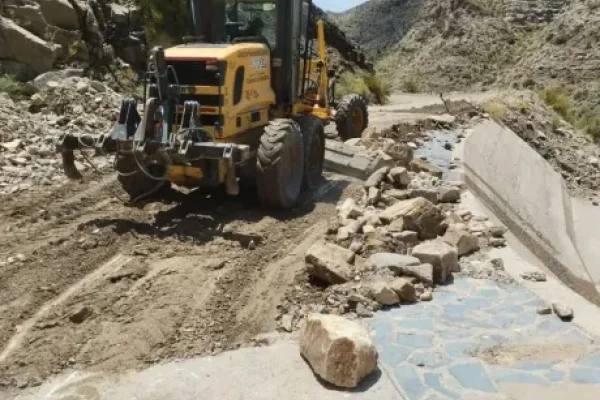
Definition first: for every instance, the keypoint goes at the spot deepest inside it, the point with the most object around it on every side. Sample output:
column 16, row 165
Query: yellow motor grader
column 243, row 100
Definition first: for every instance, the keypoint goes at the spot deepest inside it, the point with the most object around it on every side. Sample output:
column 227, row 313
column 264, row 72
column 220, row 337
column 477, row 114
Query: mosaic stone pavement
column 429, row 347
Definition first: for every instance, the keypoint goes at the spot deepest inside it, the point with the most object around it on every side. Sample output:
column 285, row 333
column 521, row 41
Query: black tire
column 313, row 135
column 280, row 164
column 352, row 117
column 134, row 181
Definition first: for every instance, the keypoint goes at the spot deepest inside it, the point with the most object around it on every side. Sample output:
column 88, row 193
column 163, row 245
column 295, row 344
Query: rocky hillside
column 460, row 44
column 39, row 35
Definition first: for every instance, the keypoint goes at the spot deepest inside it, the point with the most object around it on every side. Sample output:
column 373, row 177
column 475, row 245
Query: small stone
column 80, row 315
column 343, row 234
column 594, row 161
column 368, row 229
column 356, row 246
column 383, row 293
column 497, row 231
column 427, row 295
column 408, row 237
column 398, row 194
column 562, row 311
column 497, row 264
column 11, row 146
column 497, row 242
column 349, row 210
column 448, row 146
column 442, row 256
column 286, row 323
column 448, row 194
column 377, row 177
column 397, row 225
column 252, row 245
column 534, row 276
column 464, row 242
column 404, row 289
column 399, row 176
column 363, row 312
column 374, row 195
column 338, row 350
column 544, row 310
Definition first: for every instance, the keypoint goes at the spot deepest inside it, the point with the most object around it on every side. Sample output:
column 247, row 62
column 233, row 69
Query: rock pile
column 393, row 244
column 30, row 128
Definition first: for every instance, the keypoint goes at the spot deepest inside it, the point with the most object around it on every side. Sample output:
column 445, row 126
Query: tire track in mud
column 193, row 286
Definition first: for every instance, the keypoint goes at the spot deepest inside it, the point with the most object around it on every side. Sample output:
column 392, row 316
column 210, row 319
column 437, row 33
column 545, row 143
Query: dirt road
column 87, row 282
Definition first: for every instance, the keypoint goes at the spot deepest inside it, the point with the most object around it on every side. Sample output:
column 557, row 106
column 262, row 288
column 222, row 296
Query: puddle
column 436, row 152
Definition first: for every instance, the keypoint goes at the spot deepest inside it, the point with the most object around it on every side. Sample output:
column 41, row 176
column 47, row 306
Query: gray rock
column 373, row 195
column 464, row 242
column 419, row 215
column 338, row 350
column 381, row 292
column 19, row 45
column 394, row 262
column 363, row 312
column 497, row 264
column 497, row 231
column 562, row 311
column 329, row 262
column 497, row 242
column 429, row 194
column 60, row 13
column 423, row 272
column 356, row 246
column 534, row 276
column 442, row 256
column 544, row 310
column 286, row 323
column 398, row 194
column 399, row 176
column 418, row 165
column 594, row 161
column 448, row 194
column 408, row 237
column 11, row 146
column 368, row 229
column 404, row 289
column 427, row 295
column 350, row 210
column 397, row 225
column 377, row 177
column 80, row 315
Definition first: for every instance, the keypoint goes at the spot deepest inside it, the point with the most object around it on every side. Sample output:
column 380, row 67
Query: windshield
column 251, row 19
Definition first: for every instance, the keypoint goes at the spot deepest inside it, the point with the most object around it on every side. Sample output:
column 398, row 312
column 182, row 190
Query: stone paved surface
column 476, row 335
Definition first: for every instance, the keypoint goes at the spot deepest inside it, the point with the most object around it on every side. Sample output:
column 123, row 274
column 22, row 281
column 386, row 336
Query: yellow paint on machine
column 180, row 173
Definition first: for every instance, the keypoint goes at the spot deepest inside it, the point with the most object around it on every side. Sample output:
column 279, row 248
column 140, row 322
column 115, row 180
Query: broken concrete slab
column 404, row 289
column 394, row 262
column 329, row 262
column 419, row 215
column 383, row 293
column 353, row 161
column 442, row 256
column 340, row 351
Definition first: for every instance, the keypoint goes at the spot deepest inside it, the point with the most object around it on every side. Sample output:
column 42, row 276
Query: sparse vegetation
column 558, row 98
column 495, row 109
column 410, row 86
column 368, row 86
column 590, row 123
column 9, row 85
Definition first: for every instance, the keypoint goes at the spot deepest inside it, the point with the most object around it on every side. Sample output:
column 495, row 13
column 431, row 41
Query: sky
column 337, row 5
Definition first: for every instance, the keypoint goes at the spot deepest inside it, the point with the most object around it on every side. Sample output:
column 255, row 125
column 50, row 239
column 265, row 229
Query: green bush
column 9, row 85
column 410, row 86
column 589, row 122
column 495, row 110
column 379, row 89
column 558, row 98
column 368, row 86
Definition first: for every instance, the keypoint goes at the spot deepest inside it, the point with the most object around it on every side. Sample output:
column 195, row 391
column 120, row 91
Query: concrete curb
column 530, row 198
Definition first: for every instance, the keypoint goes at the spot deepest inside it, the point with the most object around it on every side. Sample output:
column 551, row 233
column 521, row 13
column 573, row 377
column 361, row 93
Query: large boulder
column 338, row 350
column 28, row 16
column 420, row 215
column 405, row 289
column 59, row 13
column 395, row 262
column 21, row 46
column 329, row 262
column 442, row 256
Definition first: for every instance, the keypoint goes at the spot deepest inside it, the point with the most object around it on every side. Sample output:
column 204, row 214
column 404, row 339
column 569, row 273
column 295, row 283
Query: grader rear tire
column 313, row 135
column 352, row 117
column 280, row 164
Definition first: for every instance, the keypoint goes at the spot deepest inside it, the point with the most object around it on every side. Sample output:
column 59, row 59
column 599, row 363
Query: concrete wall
column 525, row 192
